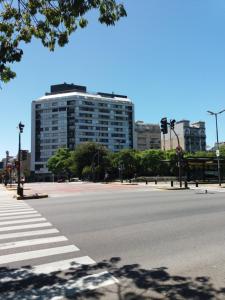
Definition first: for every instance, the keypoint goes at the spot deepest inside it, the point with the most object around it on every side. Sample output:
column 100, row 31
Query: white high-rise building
column 69, row 115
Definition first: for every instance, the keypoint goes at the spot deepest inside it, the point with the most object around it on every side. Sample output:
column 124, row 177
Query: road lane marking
column 5, row 259
column 17, row 213
column 12, row 210
column 62, row 265
column 27, row 233
column 13, row 205
column 22, row 221
column 18, row 227
column 48, row 240
column 35, row 214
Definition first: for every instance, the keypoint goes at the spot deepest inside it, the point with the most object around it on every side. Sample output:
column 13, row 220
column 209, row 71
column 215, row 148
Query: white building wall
column 87, row 125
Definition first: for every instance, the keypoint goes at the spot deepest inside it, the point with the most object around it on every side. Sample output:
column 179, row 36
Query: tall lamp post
column 217, row 142
column 19, row 189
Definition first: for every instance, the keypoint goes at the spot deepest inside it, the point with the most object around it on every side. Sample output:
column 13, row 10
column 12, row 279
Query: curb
column 173, row 188
column 34, row 196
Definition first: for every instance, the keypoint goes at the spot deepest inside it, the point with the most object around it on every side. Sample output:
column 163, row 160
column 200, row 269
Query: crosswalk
column 31, row 246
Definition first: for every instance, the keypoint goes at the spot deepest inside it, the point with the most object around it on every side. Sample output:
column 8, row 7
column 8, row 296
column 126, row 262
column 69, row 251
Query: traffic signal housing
column 172, row 123
column 21, row 126
column 164, row 124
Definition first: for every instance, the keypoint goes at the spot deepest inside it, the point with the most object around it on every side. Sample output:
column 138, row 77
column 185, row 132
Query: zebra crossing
column 28, row 239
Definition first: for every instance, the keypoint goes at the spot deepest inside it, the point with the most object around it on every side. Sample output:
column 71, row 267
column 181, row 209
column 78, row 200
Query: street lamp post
column 217, row 142
column 19, row 189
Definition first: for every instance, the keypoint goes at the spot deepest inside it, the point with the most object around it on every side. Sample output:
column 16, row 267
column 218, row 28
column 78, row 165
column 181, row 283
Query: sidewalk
column 176, row 186
column 11, row 190
column 4, row 193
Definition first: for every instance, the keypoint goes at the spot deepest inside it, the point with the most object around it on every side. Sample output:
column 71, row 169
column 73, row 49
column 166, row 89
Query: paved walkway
column 78, row 188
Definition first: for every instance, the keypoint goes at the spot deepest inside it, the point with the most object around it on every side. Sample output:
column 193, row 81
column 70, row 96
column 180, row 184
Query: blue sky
column 168, row 56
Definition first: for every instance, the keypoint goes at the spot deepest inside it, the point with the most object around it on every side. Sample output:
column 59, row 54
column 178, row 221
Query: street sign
column 217, row 153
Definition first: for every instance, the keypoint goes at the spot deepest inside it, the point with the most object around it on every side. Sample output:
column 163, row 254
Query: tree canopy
column 60, row 162
column 92, row 161
column 89, row 158
column 51, row 21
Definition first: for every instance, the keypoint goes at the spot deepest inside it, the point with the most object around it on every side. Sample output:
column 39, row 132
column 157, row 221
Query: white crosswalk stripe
column 62, row 265
column 17, row 227
column 17, row 213
column 5, row 259
column 48, row 268
column 41, row 241
column 15, row 210
column 27, row 233
column 24, row 243
column 35, row 214
column 22, row 221
column 14, row 205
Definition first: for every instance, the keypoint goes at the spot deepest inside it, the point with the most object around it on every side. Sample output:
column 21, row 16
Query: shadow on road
column 134, row 283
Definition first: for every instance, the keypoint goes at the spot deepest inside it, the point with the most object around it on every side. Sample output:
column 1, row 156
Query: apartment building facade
column 147, row 136
column 192, row 137
column 69, row 115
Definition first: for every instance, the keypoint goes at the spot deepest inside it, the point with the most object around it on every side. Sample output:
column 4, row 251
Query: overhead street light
column 217, row 142
column 212, row 113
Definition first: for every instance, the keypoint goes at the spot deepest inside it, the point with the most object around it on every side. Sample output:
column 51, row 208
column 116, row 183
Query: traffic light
column 164, row 128
column 172, row 123
column 21, row 126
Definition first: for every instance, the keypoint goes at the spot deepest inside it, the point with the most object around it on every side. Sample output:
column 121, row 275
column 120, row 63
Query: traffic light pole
column 164, row 130
column 19, row 189
column 18, row 170
column 164, row 142
column 179, row 157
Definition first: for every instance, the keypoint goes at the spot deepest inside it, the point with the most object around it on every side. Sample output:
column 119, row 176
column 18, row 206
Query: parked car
column 74, row 179
column 61, row 180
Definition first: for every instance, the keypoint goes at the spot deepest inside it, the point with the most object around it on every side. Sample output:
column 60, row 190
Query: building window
column 103, row 104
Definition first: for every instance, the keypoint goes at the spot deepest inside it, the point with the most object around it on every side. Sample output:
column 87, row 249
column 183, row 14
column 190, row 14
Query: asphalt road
column 154, row 244
column 182, row 231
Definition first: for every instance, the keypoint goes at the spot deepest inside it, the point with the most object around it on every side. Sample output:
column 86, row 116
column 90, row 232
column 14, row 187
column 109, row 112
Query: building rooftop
column 141, row 123
column 70, row 90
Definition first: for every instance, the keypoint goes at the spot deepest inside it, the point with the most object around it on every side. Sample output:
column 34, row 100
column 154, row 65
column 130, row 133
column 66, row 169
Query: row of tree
column 92, row 161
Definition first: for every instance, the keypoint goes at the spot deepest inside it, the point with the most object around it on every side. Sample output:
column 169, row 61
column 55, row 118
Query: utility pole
column 217, row 143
